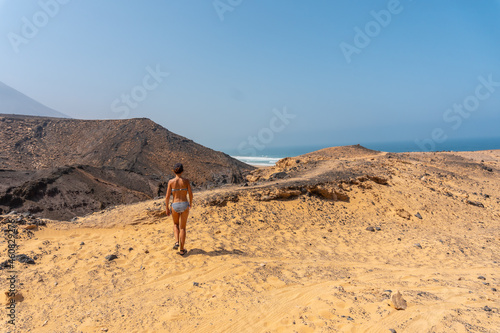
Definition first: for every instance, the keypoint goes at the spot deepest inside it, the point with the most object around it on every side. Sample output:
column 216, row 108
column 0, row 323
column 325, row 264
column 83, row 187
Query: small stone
column 493, row 289
column 82, row 243
column 370, row 229
column 418, row 215
column 111, row 257
column 55, row 283
column 350, row 318
column 330, row 230
column 398, row 301
column 130, row 248
column 417, row 245
column 480, row 277
column 487, row 308
column 278, row 175
column 262, row 265
column 378, row 228
column 40, row 222
column 24, row 259
column 147, row 251
column 196, row 284
column 392, row 330
column 475, row 203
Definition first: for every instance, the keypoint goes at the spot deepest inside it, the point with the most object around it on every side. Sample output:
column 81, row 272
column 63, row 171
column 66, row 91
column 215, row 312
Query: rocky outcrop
column 65, row 192
column 328, row 174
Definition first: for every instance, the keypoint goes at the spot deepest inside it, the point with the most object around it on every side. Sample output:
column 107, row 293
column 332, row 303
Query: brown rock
column 378, row 180
column 30, row 227
column 403, row 213
column 252, row 178
column 475, row 203
column 17, row 297
column 398, row 301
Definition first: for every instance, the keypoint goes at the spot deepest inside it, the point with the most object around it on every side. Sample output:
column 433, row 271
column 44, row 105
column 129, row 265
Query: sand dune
column 292, row 251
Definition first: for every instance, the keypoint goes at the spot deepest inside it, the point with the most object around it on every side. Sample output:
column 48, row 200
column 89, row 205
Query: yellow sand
column 299, row 265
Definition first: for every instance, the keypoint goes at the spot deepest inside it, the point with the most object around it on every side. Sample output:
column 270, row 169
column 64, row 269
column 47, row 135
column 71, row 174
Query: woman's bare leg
column 182, row 232
column 175, row 217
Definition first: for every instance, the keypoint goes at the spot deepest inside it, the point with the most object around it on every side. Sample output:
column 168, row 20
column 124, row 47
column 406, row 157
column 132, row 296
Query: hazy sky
column 281, row 72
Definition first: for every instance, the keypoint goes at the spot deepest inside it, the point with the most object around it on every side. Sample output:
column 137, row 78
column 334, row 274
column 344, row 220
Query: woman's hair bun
column 178, row 168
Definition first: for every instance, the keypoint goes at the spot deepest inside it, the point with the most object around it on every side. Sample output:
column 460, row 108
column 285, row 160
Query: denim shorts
column 180, row 207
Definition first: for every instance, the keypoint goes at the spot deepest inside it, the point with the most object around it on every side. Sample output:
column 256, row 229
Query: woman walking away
column 179, row 188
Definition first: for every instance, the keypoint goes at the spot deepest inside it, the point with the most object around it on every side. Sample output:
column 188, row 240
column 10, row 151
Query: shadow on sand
column 214, row 253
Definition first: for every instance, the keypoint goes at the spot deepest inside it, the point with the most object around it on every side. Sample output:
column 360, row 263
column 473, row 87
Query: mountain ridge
column 105, row 162
column 13, row 101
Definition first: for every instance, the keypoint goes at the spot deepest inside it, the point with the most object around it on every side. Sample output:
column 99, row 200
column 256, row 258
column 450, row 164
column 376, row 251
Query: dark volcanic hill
column 61, row 168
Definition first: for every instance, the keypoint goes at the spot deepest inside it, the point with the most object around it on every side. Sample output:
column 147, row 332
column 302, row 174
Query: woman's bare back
column 180, row 188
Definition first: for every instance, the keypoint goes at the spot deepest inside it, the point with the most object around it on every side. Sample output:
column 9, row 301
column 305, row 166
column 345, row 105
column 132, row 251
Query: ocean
column 269, row 156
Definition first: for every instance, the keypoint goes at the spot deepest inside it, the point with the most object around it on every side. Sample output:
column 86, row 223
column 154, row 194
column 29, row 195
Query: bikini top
column 179, row 189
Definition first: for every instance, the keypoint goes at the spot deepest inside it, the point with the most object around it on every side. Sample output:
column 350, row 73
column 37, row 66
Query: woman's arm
column 167, row 198
column 190, row 191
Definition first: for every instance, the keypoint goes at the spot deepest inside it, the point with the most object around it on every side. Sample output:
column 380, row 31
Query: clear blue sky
column 345, row 77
